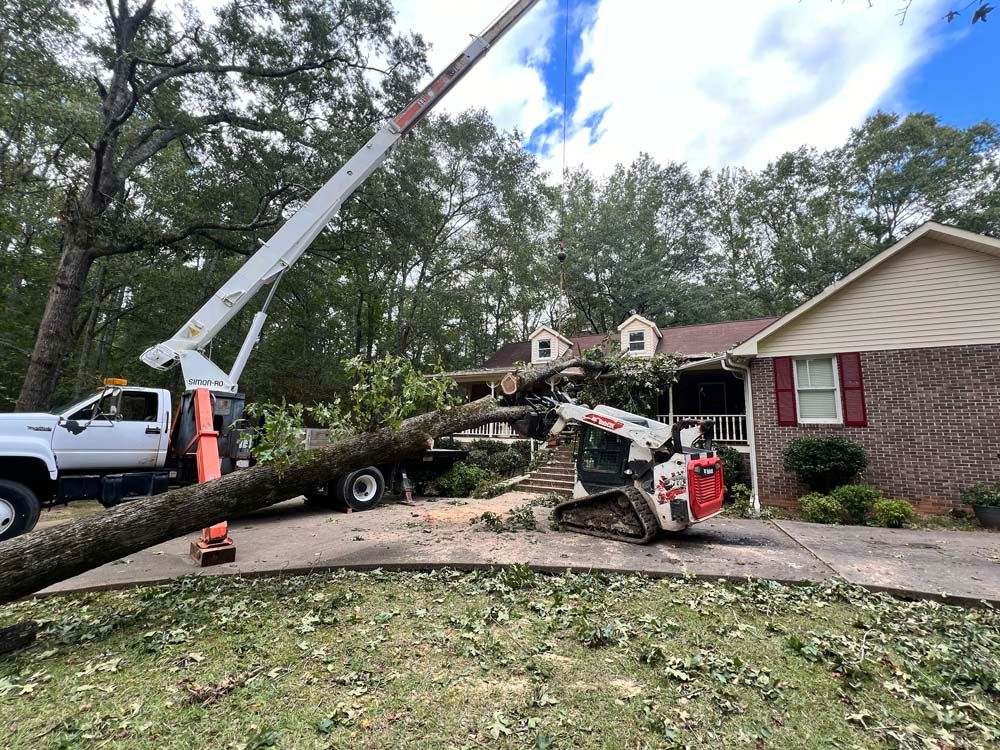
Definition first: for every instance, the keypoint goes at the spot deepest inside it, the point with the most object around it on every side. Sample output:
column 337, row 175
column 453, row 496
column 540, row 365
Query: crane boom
column 295, row 236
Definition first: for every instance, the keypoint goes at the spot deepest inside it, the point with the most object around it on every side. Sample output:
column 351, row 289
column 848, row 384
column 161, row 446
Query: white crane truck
column 125, row 441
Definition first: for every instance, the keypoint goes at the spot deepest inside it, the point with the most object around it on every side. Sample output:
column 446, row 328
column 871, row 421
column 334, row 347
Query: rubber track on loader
column 620, row 513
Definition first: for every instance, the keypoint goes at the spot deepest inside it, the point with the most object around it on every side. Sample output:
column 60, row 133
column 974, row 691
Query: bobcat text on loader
column 125, row 441
column 634, row 476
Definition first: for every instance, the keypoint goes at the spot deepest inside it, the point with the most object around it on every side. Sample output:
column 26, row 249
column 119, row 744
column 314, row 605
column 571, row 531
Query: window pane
column 820, row 373
column 802, row 372
column 639, row 336
column 545, row 348
column 138, row 407
column 817, row 404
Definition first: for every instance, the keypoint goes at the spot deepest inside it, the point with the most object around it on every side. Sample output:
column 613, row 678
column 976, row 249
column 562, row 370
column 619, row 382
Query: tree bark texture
column 55, row 331
column 31, row 562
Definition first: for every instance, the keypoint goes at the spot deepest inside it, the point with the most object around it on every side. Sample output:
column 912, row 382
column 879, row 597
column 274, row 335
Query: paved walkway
column 290, row 538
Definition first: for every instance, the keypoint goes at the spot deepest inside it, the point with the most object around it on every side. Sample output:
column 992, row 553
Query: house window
column 545, row 348
column 637, row 341
column 817, row 391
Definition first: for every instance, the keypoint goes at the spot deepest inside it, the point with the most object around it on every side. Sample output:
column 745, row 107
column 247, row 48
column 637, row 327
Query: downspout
column 742, row 372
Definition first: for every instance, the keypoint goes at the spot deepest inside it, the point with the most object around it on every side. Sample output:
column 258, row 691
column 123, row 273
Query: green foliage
column 733, row 467
column 500, row 459
column 461, row 480
column 630, row 383
column 821, row 508
column 740, row 501
column 278, row 437
column 521, row 518
column 857, row 501
column 893, row 514
column 823, row 463
column 386, row 391
column 982, row 493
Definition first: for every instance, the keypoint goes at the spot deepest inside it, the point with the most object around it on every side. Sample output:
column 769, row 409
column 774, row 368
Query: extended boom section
column 295, row 236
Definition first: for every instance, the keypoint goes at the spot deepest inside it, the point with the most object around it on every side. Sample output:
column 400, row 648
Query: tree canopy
column 145, row 155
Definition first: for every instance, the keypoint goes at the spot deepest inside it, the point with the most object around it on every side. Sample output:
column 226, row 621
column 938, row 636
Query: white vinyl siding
column 817, row 390
column 637, row 341
column 648, row 348
column 931, row 294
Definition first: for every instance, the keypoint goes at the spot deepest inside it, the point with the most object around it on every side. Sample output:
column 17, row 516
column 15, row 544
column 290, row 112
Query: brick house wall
column 933, row 425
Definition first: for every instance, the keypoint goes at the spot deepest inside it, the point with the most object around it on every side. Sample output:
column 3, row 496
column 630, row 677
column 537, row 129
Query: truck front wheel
column 19, row 509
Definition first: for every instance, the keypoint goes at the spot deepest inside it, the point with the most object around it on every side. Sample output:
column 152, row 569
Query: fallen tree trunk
column 31, row 562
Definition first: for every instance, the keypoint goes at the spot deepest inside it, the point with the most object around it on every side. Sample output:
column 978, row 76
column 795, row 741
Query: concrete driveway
column 963, row 567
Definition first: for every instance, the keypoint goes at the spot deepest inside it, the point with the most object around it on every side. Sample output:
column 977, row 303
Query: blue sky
column 727, row 82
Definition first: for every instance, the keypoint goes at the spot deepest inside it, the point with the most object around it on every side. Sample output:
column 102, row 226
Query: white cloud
column 735, row 82
column 503, row 82
column 725, row 82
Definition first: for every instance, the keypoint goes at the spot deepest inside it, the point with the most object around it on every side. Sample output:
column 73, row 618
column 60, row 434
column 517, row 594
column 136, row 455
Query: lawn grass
column 505, row 659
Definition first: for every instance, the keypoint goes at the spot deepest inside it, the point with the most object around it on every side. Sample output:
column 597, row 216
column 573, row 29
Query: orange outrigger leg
column 215, row 546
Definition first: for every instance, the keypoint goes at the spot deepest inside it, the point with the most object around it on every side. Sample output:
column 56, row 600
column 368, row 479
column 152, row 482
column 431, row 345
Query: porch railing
column 491, row 431
column 729, row 428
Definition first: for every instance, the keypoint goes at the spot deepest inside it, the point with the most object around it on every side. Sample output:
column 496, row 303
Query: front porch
column 703, row 391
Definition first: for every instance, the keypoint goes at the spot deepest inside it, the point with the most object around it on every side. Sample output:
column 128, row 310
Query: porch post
column 491, row 428
column 670, row 403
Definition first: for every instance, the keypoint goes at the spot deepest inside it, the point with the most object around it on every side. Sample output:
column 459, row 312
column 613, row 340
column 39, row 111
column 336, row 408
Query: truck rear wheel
column 361, row 489
column 19, row 509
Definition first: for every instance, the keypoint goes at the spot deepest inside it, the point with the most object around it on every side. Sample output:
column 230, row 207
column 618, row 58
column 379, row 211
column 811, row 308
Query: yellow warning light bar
column 115, row 381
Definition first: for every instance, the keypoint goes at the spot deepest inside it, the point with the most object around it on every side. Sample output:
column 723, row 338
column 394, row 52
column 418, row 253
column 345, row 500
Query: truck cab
column 108, row 446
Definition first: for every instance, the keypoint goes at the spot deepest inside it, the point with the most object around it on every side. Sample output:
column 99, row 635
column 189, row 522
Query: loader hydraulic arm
column 295, row 236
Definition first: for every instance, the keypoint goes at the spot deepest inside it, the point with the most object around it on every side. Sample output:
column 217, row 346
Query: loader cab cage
column 601, row 458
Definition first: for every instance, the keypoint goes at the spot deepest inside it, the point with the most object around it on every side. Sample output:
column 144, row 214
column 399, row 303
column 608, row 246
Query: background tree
column 171, row 91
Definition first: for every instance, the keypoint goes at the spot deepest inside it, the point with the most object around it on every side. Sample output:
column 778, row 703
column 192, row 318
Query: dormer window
column 545, row 348
column 637, row 341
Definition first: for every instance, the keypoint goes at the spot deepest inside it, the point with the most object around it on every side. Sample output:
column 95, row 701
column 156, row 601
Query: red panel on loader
column 705, row 487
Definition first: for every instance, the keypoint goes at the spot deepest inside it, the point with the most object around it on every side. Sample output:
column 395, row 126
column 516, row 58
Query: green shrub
column 857, row 501
column 893, row 514
column 501, row 459
column 460, row 481
column 982, row 493
column 823, row 463
column 821, row 508
column 740, row 500
column 733, row 471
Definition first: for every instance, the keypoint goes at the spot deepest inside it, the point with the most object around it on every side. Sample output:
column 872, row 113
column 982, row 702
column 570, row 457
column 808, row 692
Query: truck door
column 120, row 430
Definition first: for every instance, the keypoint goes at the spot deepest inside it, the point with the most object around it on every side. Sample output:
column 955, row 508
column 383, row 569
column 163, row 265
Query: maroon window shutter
column 784, row 391
column 852, row 390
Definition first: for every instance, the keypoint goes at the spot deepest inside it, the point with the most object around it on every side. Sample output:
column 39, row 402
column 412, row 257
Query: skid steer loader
column 634, row 476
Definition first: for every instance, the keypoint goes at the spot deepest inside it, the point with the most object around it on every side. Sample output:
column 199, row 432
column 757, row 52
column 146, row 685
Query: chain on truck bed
column 620, row 513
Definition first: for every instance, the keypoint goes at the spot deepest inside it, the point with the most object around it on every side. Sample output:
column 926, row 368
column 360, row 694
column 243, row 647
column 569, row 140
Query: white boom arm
column 294, row 237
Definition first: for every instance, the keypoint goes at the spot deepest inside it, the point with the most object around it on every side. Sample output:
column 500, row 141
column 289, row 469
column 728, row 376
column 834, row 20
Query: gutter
column 741, row 369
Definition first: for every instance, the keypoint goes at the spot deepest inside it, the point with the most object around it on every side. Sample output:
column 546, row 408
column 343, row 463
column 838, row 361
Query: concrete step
column 552, row 484
column 566, row 476
column 566, row 470
column 545, row 490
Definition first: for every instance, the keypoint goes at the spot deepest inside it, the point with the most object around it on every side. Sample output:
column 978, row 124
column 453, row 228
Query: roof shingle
column 694, row 340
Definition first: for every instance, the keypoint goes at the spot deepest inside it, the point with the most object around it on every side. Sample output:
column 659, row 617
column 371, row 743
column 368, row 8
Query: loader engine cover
column 705, row 486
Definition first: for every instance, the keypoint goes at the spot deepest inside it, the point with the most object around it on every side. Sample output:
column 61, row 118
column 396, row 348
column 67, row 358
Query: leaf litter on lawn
column 505, row 658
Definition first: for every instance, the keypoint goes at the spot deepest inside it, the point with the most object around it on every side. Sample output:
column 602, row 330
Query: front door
column 119, row 430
